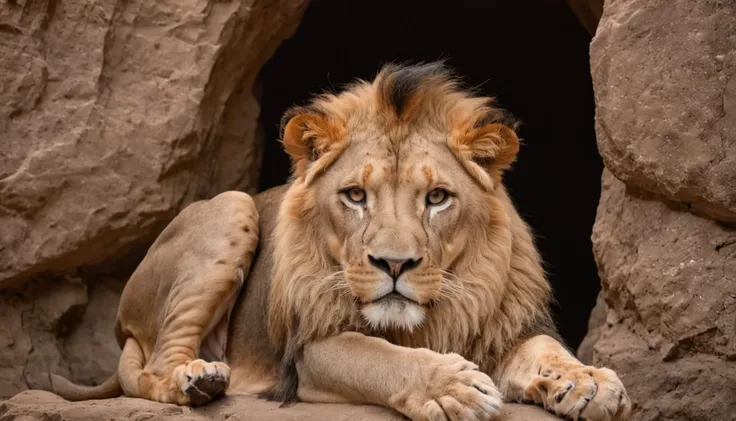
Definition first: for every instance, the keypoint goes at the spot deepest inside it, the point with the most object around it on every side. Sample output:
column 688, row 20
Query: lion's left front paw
column 581, row 393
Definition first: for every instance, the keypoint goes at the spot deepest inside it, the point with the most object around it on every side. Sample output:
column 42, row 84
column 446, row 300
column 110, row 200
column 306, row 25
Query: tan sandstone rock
column 664, row 75
column 669, row 281
column 58, row 325
column 37, row 405
column 116, row 114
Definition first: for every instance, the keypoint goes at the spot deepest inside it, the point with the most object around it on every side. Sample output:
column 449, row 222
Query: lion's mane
column 505, row 293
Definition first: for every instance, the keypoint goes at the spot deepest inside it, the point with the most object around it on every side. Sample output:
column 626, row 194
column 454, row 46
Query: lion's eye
column 437, row 197
column 355, row 195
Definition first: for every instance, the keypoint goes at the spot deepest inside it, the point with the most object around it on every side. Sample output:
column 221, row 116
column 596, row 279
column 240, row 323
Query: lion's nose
column 393, row 266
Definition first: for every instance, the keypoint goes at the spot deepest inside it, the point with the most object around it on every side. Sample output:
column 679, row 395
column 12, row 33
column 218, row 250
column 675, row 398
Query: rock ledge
column 40, row 405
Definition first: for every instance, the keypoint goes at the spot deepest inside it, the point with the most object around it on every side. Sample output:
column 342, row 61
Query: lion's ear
column 307, row 135
column 495, row 147
column 492, row 147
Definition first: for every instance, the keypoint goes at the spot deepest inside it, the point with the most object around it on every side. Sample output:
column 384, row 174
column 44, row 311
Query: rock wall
column 114, row 115
column 59, row 325
column 669, row 284
column 664, row 74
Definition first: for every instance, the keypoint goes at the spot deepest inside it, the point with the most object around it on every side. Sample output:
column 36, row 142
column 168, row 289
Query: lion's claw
column 581, row 393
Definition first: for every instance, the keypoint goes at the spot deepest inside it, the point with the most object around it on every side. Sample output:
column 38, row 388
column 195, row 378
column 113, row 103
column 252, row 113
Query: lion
column 396, row 272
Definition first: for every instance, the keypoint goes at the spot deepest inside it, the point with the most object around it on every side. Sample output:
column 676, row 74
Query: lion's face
column 393, row 181
column 397, row 221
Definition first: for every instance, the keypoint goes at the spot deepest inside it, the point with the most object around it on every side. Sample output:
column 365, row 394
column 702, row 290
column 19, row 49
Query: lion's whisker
column 452, row 286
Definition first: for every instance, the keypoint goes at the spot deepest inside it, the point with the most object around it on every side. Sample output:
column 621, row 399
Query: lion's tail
column 130, row 367
column 74, row 392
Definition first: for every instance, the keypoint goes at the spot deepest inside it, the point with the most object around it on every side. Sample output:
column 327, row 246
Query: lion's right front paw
column 455, row 391
column 202, row 381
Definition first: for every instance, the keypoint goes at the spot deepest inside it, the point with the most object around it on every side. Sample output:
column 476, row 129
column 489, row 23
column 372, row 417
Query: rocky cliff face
column 114, row 115
column 668, row 281
column 664, row 74
column 62, row 324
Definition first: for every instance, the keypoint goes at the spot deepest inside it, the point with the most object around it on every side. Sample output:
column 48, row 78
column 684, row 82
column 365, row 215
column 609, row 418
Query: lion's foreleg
column 175, row 374
column 419, row 383
column 542, row 371
column 180, row 299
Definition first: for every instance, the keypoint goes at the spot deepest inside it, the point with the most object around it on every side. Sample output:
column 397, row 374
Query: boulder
column 114, row 115
column 664, row 75
column 60, row 325
column 669, row 284
column 41, row 406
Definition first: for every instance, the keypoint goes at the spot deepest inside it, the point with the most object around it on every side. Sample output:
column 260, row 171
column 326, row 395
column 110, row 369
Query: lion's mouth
column 394, row 310
column 393, row 297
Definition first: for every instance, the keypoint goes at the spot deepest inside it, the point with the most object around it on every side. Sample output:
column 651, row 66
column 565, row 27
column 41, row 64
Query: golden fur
column 509, row 290
column 399, row 272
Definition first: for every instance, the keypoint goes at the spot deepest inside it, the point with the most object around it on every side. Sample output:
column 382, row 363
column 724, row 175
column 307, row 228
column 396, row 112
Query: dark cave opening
column 532, row 55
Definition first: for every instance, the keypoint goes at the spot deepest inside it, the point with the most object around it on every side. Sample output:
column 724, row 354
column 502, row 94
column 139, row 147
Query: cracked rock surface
column 664, row 75
column 669, row 282
column 116, row 114
column 58, row 325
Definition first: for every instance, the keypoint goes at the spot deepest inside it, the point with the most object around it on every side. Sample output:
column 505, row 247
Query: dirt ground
column 45, row 406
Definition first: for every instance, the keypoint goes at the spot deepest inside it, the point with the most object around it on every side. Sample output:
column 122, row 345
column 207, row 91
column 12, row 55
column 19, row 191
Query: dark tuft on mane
column 399, row 82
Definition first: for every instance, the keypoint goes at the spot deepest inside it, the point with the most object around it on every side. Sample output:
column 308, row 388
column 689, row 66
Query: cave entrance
column 532, row 55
